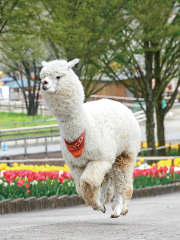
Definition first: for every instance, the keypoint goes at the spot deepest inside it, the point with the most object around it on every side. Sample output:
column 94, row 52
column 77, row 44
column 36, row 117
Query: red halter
column 76, row 147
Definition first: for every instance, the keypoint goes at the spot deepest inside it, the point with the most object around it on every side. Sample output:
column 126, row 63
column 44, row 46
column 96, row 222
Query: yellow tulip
column 141, row 159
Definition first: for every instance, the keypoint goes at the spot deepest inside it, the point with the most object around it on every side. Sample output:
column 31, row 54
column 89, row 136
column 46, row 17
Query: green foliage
column 84, row 29
column 22, row 117
column 16, row 16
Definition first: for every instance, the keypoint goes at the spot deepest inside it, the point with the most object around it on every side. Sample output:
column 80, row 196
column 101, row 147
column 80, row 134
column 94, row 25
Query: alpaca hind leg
column 107, row 189
column 123, row 171
column 90, row 183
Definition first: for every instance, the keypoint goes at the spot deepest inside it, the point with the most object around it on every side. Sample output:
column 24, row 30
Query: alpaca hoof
column 124, row 212
column 102, row 209
column 114, row 216
column 117, row 212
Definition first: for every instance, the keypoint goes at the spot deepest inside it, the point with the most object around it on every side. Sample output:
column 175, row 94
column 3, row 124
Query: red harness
column 76, row 147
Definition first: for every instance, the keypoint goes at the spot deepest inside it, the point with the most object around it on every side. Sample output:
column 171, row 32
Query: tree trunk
column 32, row 108
column 160, row 127
column 158, row 105
column 149, row 100
column 150, row 129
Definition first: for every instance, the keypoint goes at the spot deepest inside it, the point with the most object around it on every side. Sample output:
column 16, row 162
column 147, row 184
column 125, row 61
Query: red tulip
column 37, row 176
column 20, row 183
column 30, row 178
column 6, row 175
column 43, row 178
column 171, row 169
column 61, row 179
column 12, row 176
column 67, row 175
column 27, row 185
column 9, row 180
column 178, row 172
column 28, row 191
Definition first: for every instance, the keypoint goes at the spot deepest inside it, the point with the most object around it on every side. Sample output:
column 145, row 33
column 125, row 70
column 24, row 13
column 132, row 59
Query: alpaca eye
column 58, row 77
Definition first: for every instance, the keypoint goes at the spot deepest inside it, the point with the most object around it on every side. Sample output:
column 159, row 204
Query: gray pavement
column 31, row 149
column 171, row 124
column 148, row 218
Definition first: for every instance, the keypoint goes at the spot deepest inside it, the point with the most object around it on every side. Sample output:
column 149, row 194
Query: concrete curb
column 33, row 203
column 156, row 190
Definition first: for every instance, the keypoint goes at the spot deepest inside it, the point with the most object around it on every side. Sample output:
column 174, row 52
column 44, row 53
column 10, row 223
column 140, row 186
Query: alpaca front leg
column 76, row 174
column 91, row 181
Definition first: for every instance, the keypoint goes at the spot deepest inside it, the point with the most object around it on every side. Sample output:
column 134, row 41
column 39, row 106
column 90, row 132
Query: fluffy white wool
column 110, row 127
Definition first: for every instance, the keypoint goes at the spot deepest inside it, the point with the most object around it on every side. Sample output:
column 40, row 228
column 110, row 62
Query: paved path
column 31, row 149
column 149, row 218
column 172, row 127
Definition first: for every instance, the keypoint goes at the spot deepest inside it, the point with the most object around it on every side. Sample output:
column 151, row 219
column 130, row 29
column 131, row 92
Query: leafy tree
column 156, row 45
column 16, row 16
column 84, row 29
column 22, row 57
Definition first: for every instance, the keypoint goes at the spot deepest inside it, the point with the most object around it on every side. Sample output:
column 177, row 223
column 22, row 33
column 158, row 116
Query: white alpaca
column 107, row 134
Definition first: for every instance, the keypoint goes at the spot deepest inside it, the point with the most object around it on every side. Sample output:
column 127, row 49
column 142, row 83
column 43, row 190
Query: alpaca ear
column 72, row 63
column 43, row 63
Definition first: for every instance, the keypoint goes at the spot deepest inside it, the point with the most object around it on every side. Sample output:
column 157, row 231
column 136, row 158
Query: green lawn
column 22, row 117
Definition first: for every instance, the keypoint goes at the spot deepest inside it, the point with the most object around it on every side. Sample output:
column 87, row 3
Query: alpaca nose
column 44, row 82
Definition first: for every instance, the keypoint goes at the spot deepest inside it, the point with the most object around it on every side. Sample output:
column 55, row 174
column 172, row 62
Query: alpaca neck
column 72, row 127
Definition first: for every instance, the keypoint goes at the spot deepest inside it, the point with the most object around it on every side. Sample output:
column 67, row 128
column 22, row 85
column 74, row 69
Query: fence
column 28, row 130
column 20, row 107
column 140, row 116
column 25, row 153
column 169, row 148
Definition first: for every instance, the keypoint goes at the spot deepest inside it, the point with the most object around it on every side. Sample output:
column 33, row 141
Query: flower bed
column 161, row 163
column 34, row 168
column 26, row 183
column 154, row 176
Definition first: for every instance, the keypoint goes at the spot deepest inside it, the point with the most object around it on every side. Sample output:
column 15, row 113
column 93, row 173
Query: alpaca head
column 60, row 87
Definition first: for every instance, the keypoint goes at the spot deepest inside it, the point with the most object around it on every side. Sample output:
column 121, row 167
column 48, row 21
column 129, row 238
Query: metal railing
column 169, row 147
column 29, row 130
column 21, row 107
column 25, row 145
column 140, row 116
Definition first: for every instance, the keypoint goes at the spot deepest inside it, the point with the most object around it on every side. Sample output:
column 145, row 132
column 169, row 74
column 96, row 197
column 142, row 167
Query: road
column 148, row 218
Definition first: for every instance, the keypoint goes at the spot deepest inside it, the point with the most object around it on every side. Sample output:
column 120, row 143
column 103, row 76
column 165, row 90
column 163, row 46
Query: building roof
column 18, row 83
column 7, row 79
